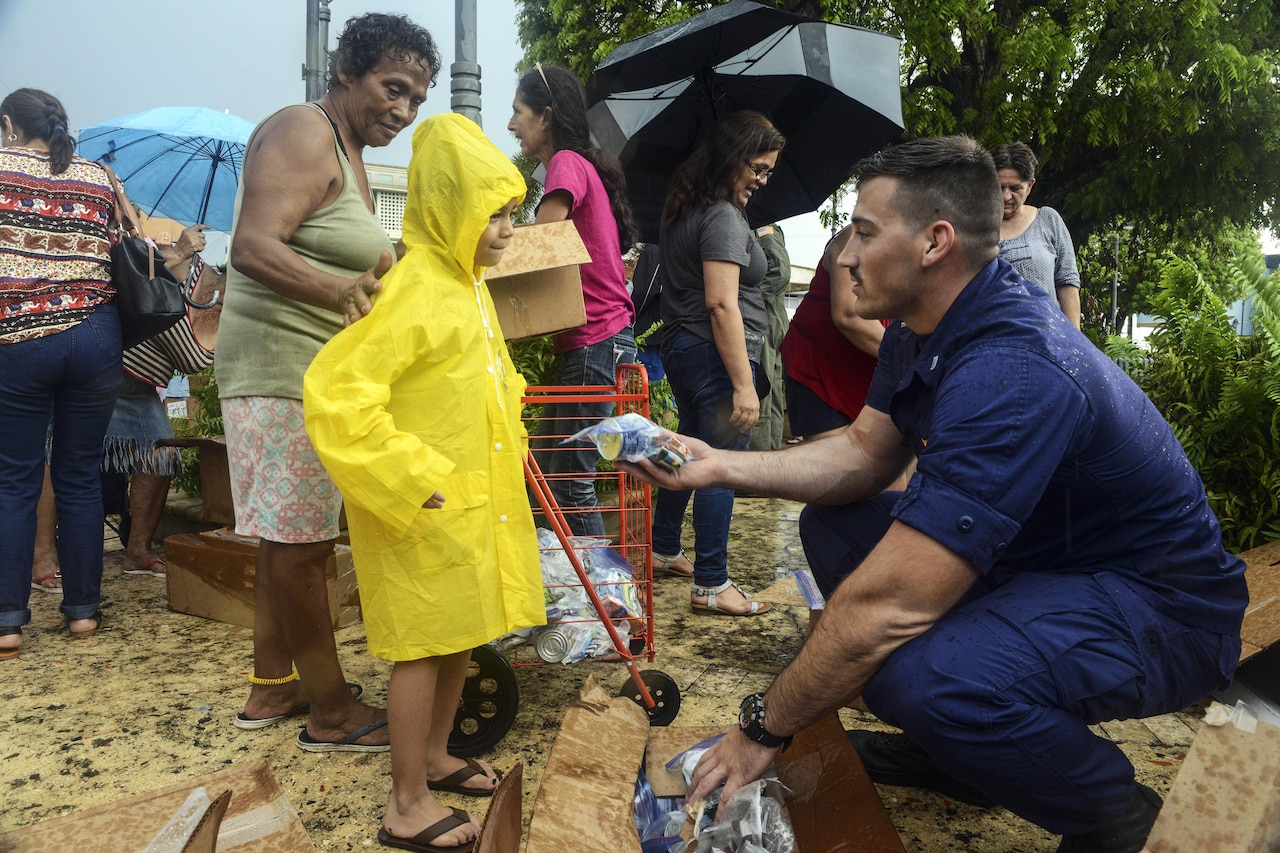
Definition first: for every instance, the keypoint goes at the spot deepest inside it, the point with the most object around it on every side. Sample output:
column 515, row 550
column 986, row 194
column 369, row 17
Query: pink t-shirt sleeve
column 604, row 283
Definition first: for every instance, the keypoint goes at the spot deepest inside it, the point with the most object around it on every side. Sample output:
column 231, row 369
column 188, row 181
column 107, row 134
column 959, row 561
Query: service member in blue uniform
column 1053, row 563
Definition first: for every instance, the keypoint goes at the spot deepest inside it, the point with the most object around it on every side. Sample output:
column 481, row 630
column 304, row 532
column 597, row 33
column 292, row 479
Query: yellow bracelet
column 293, row 676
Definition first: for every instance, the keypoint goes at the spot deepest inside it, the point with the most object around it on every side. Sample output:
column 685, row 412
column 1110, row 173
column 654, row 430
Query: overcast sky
column 246, row 56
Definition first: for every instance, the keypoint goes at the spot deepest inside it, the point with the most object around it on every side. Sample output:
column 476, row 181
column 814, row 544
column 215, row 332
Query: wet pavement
column 149, row 701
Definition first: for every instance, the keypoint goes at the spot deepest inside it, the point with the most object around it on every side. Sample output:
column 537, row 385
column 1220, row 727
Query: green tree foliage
column 578, row 34
column 1219, row 391
column 1164, row 113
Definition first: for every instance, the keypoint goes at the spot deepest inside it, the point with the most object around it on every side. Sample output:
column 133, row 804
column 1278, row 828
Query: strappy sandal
column 664, row 565
column 755, row 608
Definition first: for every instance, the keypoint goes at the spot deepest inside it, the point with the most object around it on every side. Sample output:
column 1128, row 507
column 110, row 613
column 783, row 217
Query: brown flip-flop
column 453, row 782
column 422, row 841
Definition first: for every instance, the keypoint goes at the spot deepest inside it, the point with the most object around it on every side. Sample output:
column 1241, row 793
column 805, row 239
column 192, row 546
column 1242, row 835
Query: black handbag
column 148, row 298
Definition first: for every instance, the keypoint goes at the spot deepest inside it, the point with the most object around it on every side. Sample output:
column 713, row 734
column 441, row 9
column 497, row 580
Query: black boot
column 1126, row 833
column 894, row 760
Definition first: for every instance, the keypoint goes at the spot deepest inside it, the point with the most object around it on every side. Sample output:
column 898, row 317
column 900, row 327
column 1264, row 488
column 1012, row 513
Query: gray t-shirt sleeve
column 723, row 236
column 1043, row 253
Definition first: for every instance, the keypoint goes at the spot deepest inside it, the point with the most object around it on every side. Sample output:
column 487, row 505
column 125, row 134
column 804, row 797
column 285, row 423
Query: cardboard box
column 161, row 229
column 584, row 801
column 537, row 288
column 1261, row 627
column 215, row 476
column 211, row 574
column 1226, row 798
column 257, row 819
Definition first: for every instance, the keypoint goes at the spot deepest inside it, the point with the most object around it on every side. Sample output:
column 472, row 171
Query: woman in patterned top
column 59, row 355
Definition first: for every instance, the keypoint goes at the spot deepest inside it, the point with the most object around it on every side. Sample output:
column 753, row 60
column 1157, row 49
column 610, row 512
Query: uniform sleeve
column 1002, row 423
column 376, row 466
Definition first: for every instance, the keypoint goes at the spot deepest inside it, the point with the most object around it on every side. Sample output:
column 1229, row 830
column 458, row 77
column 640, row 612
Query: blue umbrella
column 179, row 162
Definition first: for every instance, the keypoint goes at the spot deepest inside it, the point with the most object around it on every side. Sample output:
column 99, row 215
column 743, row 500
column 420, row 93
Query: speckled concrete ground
column 150, row 699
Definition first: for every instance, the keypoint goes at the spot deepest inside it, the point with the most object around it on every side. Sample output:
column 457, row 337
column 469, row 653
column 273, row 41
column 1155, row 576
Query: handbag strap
column 126, row 221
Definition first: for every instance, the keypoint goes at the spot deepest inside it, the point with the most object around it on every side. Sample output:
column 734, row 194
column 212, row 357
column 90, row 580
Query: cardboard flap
column 502, row 823
column 826, row 778
column 1226, row 797
column 585, row 799
column 541, row 247
column 665, row 743
column 1261, row 627
column 257, row 818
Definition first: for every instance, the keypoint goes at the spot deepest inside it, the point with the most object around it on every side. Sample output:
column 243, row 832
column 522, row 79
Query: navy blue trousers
column 1002, row 689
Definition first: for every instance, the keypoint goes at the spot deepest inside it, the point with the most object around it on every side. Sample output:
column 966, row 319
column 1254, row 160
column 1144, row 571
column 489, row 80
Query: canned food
column 552, row 645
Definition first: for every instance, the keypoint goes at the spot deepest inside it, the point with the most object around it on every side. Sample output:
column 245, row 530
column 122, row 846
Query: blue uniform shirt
column 1037, row 453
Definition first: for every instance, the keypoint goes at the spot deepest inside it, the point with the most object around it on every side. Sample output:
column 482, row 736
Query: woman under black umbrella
column 714, row 327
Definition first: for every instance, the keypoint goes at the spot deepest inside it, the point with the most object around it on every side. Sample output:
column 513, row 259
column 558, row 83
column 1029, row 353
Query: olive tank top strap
column 336, row 135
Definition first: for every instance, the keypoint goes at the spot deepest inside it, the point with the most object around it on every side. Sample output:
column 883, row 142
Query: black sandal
column 84, row 635
column 8, row 631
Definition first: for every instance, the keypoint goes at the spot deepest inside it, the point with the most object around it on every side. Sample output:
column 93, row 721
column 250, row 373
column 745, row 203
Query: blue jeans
column 73, row 377
column 704, row 401
column 564, row 467
column 1001, row 691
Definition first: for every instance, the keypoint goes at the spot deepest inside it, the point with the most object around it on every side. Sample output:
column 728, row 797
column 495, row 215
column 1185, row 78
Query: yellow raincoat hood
column 457, row 180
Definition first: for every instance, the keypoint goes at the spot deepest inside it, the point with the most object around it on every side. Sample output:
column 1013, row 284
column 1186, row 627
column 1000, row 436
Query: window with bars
column 390, row 208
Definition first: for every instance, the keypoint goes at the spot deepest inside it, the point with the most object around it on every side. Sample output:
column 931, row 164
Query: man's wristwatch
column 751, row 722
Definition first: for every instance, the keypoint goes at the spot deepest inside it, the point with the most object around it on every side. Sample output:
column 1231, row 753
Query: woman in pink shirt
column 585, row 185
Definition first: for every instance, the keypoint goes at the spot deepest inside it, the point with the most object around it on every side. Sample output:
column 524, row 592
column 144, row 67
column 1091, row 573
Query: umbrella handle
column 186, row 297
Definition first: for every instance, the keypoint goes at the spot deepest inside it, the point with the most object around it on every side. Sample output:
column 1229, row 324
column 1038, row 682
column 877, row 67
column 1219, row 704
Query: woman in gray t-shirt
column 714, row 326
column 1035, row 240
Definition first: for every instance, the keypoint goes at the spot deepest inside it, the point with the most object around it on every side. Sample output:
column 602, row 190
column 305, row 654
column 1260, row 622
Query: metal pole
column 315, row 69
column 465, row 73
column 1115, row 283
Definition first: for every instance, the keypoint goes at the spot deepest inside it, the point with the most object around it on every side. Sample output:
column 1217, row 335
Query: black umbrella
column 833, row 90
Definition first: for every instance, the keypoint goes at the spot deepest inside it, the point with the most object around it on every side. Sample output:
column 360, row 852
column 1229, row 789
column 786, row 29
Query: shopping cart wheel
column 488, row 704
column 665, row 693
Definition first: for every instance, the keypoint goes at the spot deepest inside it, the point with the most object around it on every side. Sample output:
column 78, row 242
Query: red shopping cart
column 490, row 696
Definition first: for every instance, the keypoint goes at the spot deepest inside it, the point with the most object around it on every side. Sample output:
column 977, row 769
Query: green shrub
column 206, row 420
column 1220, row 392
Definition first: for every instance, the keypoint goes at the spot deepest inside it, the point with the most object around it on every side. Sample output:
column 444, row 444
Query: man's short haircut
column 1017, row 156
column 944, row 177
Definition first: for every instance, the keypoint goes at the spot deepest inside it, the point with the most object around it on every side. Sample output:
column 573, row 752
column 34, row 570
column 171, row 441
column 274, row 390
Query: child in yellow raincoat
column 415, row 412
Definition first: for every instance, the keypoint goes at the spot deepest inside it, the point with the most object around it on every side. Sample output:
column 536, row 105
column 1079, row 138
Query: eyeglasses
column 762, row 173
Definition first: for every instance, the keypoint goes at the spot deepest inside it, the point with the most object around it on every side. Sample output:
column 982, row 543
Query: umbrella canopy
column 831, row 89
column 179, row 162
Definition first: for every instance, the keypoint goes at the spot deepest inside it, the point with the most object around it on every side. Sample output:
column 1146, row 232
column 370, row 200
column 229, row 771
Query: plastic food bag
column 753, row 821
column 658, row 819
column 634, row 437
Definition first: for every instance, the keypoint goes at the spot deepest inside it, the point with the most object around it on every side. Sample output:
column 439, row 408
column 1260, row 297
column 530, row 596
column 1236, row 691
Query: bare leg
column 416, row 705
column 292, row 628
column 147, row 493
column 45, row 566
column 449, row 684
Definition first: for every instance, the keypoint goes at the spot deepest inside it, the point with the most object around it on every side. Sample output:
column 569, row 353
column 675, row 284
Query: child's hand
column 355, row 299
column 434, row 502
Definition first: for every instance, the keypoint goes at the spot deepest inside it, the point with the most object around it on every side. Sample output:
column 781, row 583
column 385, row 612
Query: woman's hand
column 746, row 409
column 354, row 300
column 434, row 502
